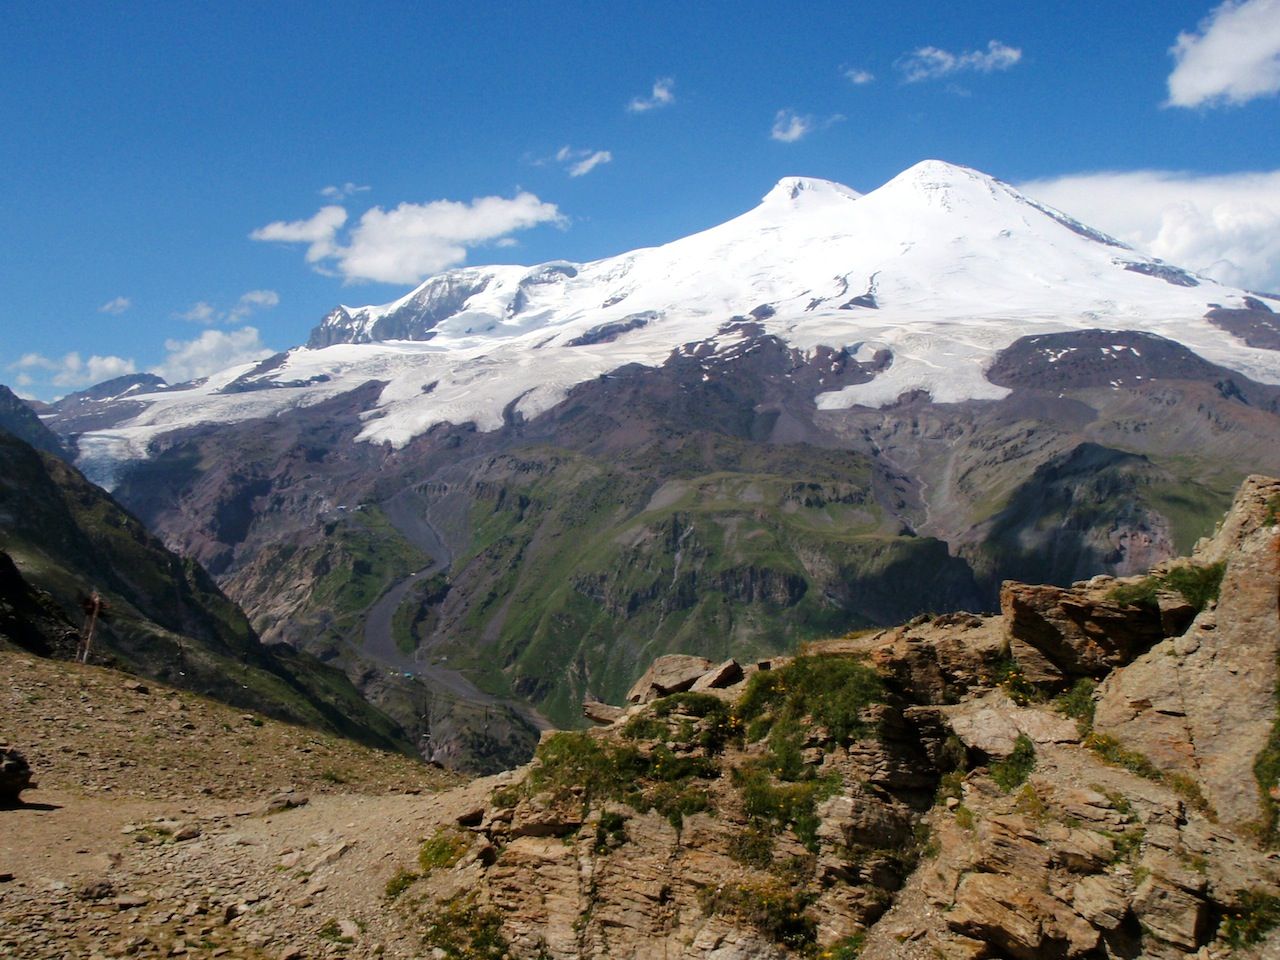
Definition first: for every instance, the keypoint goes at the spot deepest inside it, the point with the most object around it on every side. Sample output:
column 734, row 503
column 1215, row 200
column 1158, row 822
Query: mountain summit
column 941, row 268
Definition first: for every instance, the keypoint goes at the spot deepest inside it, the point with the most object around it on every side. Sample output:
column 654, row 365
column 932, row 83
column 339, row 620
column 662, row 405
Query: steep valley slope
column 63, row 539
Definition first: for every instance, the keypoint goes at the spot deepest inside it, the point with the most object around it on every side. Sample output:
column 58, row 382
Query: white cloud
column 581, row 162
column 116, row 306
column 789, row 126
column 340, row 192
column 587, row 164
column 33, row 361
column 930, row 63
column 413, row 240
column 210, row 352
column 858, row 77
column 1234, row 56
column 663, row 95
column 199, row 312
column 1226, row 227
column 251, row 301
column 317, row 231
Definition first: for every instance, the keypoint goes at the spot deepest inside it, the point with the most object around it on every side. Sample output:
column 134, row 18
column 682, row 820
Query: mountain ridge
column 942, row 267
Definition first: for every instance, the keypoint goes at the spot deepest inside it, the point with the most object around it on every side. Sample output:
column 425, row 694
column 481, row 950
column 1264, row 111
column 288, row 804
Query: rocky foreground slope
column 1093, row 773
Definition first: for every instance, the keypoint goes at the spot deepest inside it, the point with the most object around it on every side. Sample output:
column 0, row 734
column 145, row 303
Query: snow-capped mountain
column 942, row 267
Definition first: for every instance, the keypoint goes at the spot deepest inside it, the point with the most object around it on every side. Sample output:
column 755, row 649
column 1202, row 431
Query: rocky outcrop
column 934, row 659
column 1203, row 704
column 1058, row 633
column 670, row 674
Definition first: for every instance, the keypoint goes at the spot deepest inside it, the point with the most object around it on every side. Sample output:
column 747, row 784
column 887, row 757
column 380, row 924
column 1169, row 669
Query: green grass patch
column 598, row 770
column 1198, row 584
column 1272, row 516
column 1014, row 769
column 753, row 846
column 846, row 948
column 775, row 806
column 1079, row 704
column 611, row 832
column 831, row 690
column 1008, row 676
column 772, row 906
column 463, row 930
column 442, row 850
column 331, row 931
column 1257, row 913
column 399, row 882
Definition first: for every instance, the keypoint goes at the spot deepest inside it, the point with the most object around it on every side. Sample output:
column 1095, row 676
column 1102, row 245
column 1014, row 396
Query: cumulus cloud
column 789, row 126
column 662, row 95
column 858, row 77
column 581, row 162
column 341, row 191
column 413, row 240
column 318, row 232
column 1226, row 227
column 116, row 306
column 1233, row 57
column 210, row 352
column 70, row 370
column 930, row 63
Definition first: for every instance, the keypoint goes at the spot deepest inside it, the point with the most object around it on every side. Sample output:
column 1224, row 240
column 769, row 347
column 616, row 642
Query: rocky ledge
column 1092, row 773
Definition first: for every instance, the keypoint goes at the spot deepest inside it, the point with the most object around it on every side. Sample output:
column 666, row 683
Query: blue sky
column 146, row 144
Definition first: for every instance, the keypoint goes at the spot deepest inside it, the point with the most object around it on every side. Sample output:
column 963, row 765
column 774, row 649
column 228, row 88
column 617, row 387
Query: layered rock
column 1204, row 703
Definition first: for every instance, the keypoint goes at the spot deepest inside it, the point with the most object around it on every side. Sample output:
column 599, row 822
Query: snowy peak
column 791, row 189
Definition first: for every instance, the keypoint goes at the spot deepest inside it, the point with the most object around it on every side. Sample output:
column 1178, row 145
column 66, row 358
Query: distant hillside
column 19, row 419
column 166, row 618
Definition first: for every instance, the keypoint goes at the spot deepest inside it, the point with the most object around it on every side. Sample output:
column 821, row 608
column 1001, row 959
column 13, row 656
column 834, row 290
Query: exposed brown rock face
column 1075, row 632
column 1204, row 703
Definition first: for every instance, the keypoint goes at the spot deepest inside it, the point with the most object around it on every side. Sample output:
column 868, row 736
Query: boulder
column 15, row 775
column 1077, row 631
column 990, row 725
column 602, row 713
column 720, row 676
column 1019, row 920
column 674, row 673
